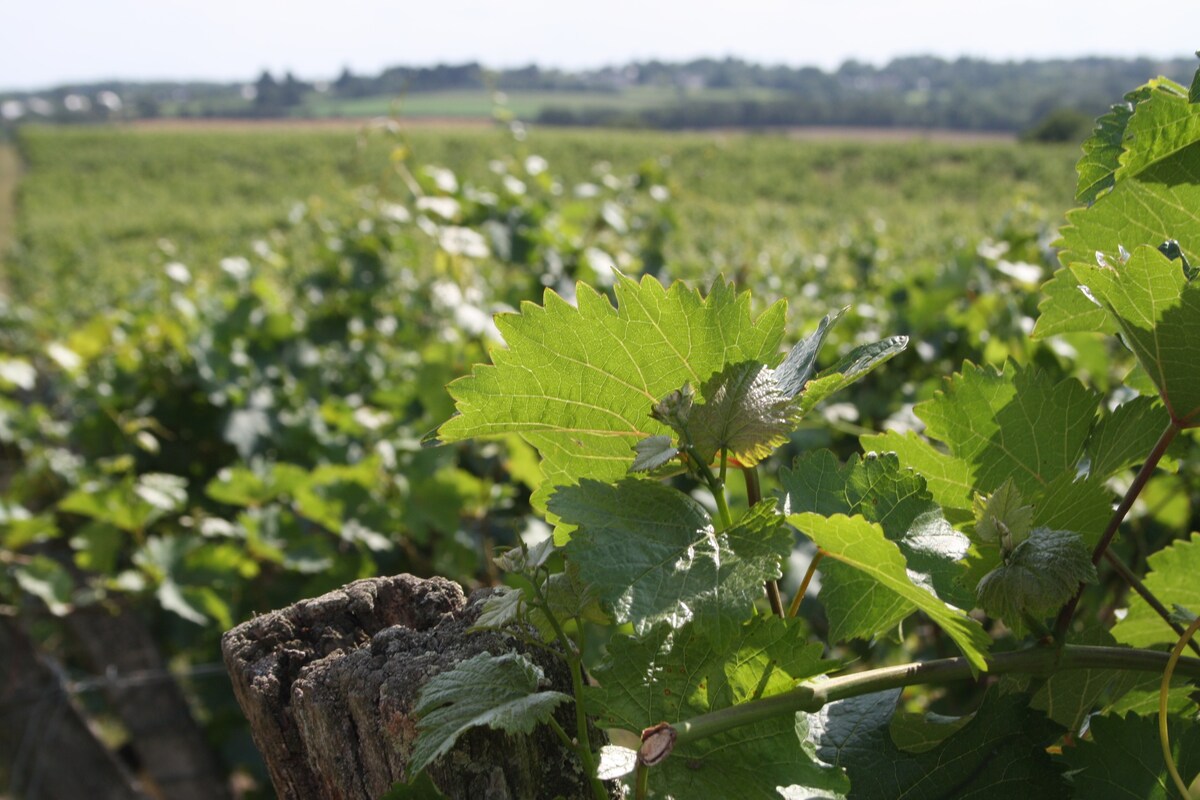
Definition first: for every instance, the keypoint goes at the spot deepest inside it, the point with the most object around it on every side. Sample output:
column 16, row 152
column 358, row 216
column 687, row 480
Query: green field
column 9, row 173
column 101, row 208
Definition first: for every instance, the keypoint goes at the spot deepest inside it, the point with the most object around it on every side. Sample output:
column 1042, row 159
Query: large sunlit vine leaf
column 1161, row 126
column 1000, row 753
column 1157, row 310
column 947, row 478
column 1017, row 423
column 1102, row 150
column 1013, row 425
column 501, row 692
column 881, row 491
column 652, row 553
column 1123, row 437
column 1172, row 578
column 1141, row 176
column 578, row 382
column 674, row 674
column 862, row 545
column 1122, row 758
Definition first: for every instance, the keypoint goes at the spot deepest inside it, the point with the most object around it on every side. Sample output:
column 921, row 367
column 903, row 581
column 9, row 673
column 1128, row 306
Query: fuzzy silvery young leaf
column 501, row 692
column 999, row 753
column 801, row 362
column 881, row 491
column 1172, row 578
column 1156, row 308
column 862, row 545
column 652, row 553
column 1001, row 516
column 744, row 412
column 690, row 674
column 526, row 559
column 1038, row 576
column 576, row 382
column 852, row 367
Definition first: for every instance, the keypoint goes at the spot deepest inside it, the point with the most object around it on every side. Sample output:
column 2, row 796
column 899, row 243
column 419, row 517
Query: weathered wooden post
column 329, row 686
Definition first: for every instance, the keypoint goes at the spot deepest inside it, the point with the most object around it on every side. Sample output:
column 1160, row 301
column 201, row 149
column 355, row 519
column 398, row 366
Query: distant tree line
column 1042, row 98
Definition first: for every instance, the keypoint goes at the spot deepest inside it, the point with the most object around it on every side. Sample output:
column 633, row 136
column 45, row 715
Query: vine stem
column 1063, row 623
column 1122, row 569
column 754, row 497
column 1163, row 691
column 715, row 487
column 1035, row 661
column 794, row 609
column 583, row 743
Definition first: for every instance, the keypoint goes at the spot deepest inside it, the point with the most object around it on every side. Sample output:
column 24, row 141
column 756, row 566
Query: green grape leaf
column 878, row 489
column 1156, row 308
column 1146, row 151
column 652, row 453
column 47, row 580
column 578, row 382
column 920, row 733
column 245, row 487
column 1194, row 89
column 1162, row 124
column 744, row 412
column 1068, row 504
column 1069, row 697
column 1119, row 219
column 947, row 478
column 500, row 692
column 1066, row 309
column 852, row 367
column 1000, row 753
column 1001, row 517
column 1038, row 576
column 652, row 553
column 1172, row 579
column 1102, row 150
column 129, row 505
column 690, row 674
column 1016, row 423
column 801, row 361
column 1137, row 693
column 1123, row 758
column 861, row 544
column 1123, row 437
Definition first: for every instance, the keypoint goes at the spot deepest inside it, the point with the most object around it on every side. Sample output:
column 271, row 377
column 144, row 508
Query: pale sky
column 51, row 42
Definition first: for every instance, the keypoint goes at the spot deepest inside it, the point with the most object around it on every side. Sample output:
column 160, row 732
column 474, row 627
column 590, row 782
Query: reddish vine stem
column 1139, row 482
column 753, row 497
column 794, row 609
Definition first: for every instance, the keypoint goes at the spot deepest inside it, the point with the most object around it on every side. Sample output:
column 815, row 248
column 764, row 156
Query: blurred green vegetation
column 109, row 206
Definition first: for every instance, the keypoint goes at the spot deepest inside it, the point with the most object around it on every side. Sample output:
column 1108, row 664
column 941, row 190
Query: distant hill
column 912, row 92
